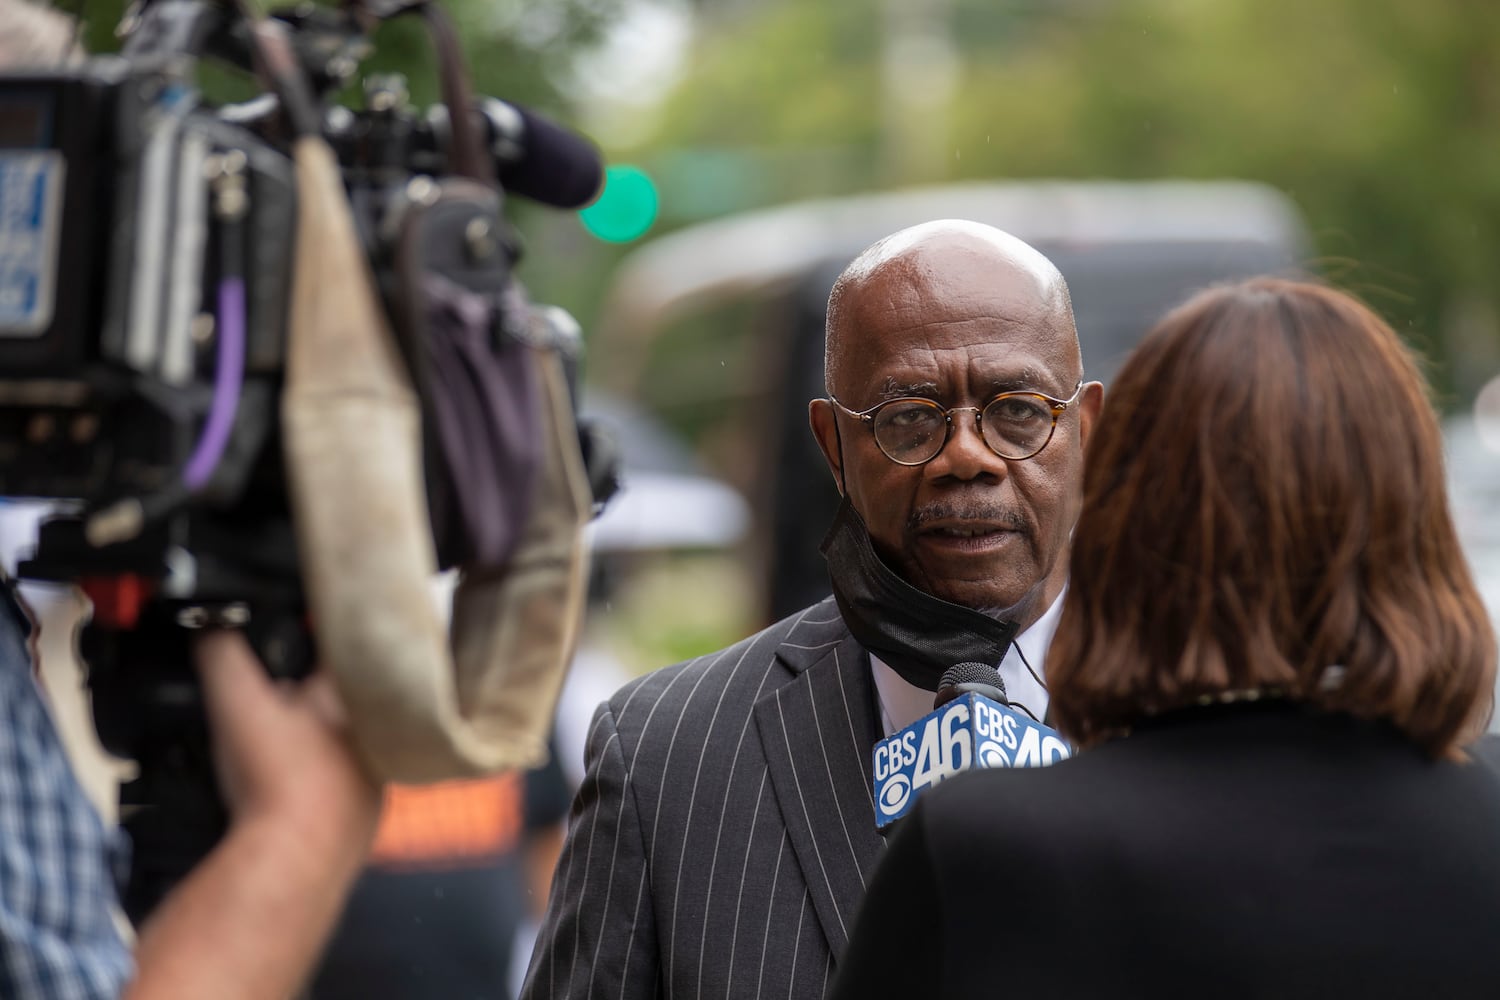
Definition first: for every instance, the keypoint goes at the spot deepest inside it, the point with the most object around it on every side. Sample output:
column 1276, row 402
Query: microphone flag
column 969, row 732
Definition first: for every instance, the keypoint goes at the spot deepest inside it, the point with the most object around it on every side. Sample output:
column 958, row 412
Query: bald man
column 723, row 835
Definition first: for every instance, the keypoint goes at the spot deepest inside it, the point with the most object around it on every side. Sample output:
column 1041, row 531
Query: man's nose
column 966, row 456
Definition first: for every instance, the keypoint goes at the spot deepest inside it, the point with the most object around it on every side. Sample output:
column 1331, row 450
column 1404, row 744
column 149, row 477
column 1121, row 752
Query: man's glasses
column 913, row 431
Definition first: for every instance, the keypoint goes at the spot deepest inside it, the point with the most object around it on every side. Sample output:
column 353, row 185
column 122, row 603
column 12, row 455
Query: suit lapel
column 817, row 733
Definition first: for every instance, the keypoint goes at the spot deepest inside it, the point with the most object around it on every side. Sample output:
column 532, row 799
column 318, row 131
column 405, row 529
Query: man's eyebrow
column 1026, row 380
column 893, row 389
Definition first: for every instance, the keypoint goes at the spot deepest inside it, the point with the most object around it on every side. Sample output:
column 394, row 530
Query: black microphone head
column 555, row 166
column 971, row 673
column 970, row 677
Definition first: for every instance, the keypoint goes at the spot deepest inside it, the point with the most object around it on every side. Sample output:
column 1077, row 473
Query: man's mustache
column 977, row 510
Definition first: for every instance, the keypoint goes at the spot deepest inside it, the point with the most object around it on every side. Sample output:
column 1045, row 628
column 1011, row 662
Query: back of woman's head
column 1265, row 510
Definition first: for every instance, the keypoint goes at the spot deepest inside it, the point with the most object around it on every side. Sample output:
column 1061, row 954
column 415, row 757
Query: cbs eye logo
column 992, row 754
column 895, row 793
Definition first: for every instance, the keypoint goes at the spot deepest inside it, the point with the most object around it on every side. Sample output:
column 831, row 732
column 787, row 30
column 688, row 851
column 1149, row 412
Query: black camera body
column 146, row 262
column 131, row 209
column 146, row 282
column 137, row 198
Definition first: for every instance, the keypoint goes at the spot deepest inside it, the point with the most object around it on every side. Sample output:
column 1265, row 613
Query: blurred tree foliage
column 519, row 50
column 1381, row 120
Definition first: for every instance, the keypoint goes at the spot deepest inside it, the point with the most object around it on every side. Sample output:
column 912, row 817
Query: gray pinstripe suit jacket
column 721, row 840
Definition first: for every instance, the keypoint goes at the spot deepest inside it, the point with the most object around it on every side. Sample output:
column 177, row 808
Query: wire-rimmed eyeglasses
column 911, row 430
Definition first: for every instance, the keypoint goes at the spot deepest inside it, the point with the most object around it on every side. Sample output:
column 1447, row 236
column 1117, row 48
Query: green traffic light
column 626, row 207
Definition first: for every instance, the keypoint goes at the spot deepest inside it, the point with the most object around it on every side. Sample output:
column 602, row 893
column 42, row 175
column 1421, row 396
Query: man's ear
column 1089, row 406
column 824, row 423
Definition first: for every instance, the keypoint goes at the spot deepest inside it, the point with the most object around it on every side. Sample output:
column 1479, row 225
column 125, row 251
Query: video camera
column 149, row 256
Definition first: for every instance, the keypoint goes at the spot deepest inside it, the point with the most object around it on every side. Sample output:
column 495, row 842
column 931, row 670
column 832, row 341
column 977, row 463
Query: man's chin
column 974, row 590
column 982, row 599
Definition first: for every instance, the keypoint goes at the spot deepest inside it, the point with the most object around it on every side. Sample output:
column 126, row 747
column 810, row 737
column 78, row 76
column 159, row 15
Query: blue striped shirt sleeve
column 58, row 939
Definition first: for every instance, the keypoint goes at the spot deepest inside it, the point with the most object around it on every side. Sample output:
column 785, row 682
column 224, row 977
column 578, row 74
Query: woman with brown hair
column 1271, row 654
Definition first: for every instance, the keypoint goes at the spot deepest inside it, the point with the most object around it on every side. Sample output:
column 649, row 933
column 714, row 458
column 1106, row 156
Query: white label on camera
column 31, row 198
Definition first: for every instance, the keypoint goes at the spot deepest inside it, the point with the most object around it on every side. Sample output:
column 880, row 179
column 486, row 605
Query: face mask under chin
column 919, row 635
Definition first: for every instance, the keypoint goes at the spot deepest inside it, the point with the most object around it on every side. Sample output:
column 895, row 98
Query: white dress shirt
column 901, row 703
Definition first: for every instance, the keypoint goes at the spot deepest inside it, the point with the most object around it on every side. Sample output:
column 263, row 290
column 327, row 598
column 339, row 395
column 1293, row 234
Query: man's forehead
column 887, row 331
column 927, row 349
column 982, row 367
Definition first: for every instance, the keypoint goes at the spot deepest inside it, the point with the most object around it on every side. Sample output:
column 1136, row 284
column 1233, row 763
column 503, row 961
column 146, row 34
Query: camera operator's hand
column 251, row 920
column 282, row 759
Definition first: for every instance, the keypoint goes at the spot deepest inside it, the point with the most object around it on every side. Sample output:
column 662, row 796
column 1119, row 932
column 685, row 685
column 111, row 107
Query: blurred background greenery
column 1380, row 120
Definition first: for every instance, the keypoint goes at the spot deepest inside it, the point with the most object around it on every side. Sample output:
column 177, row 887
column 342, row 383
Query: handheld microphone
column 970, row 678
column 971, row 726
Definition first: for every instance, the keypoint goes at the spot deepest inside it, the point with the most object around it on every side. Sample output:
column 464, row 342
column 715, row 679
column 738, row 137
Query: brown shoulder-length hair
column 1264, row 509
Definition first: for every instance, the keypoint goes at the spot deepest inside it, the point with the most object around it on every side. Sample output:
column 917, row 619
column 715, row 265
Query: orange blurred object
column 451, row 824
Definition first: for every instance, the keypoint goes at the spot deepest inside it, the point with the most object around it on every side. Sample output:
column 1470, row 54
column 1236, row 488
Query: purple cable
column 228, row 375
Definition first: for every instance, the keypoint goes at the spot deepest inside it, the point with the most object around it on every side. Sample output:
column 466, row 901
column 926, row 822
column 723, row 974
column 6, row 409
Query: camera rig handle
column 148, row 705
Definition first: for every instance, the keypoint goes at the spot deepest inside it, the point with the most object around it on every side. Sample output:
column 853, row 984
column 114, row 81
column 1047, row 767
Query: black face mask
column 918, row 635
